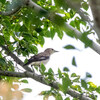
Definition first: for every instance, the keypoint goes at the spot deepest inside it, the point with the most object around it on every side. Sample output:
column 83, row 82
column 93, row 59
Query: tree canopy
column 23, row 26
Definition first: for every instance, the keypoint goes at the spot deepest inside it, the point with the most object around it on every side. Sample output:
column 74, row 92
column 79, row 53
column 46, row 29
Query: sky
column 87, row 61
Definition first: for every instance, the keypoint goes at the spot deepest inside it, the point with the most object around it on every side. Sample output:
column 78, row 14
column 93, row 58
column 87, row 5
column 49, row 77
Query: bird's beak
column 56, row 51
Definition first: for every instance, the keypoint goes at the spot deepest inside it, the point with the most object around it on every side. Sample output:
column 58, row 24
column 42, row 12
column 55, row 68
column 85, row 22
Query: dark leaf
column 2, row 1
column 66, row 69
column 64, row 85
column 41, row 40
column 76, row 79
column 83, row 84
column 43, row 68
column 2, row 41
column 88, row 75
column 74, row 62
column 67, row 98
column 52, row 31
column 59, row 97
column 73, row 75
column 66, row 82
column 85, row 5
column 59, row 73
column 69, row 47
column 60, row 33
column 24, row 81
column 98, row 89
column 2, row 62
column 50, row 71
column 72, row 23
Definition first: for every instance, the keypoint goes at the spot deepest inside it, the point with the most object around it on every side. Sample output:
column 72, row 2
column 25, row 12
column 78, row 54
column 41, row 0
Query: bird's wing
column 36, row 58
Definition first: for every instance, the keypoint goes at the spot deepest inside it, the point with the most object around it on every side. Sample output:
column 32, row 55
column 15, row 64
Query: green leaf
column 67, row 15
column 92, row 86
column 58, row 20
column 69, row 47
column 59, row 97
column 67, row 98
column 76, row 79
column 24, row 81
column 2, row 62
column 74, row 62
column 2, row 1
column 41, row 40
column 72, row 23
column 26, row 22
column 32, row 49
column 2, row 41
column 43, row 68
column 73, row 75
column 88, row 75
column 84, row 38
column 61, row 3
column 66, row 69
column 50, row 71
column 66, row 82
column 52, row 31
column 6, row 36
column 16, row 28
column 83, row 84
column 64, row 85
column 28, row 90
column 60, row 33
column 7, row 23
column 85, row 5
column 23, row 28
column 59, row 73
column 98, row 89
column 11, row 48
column 76, row 87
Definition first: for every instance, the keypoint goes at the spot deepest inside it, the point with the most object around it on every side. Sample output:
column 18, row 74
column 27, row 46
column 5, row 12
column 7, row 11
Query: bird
column 40, row 58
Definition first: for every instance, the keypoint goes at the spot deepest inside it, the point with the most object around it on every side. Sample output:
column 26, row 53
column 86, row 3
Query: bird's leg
column 32, row 69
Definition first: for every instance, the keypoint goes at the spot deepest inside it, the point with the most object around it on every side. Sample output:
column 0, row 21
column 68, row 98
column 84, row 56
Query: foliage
column 67, row 81
column 26, row 29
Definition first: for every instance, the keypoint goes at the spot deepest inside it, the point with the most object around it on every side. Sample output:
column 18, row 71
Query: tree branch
column 27, row 74
column 76, row 94
column 16, row 59
column 40, row 79
column 13, row 11
column 38, row 9
column 95, row 7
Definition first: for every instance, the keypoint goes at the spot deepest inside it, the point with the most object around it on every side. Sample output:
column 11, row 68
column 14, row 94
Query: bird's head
column 50, row 51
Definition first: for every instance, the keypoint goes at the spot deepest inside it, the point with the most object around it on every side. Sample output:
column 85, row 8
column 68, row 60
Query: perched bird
column 42, row 57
